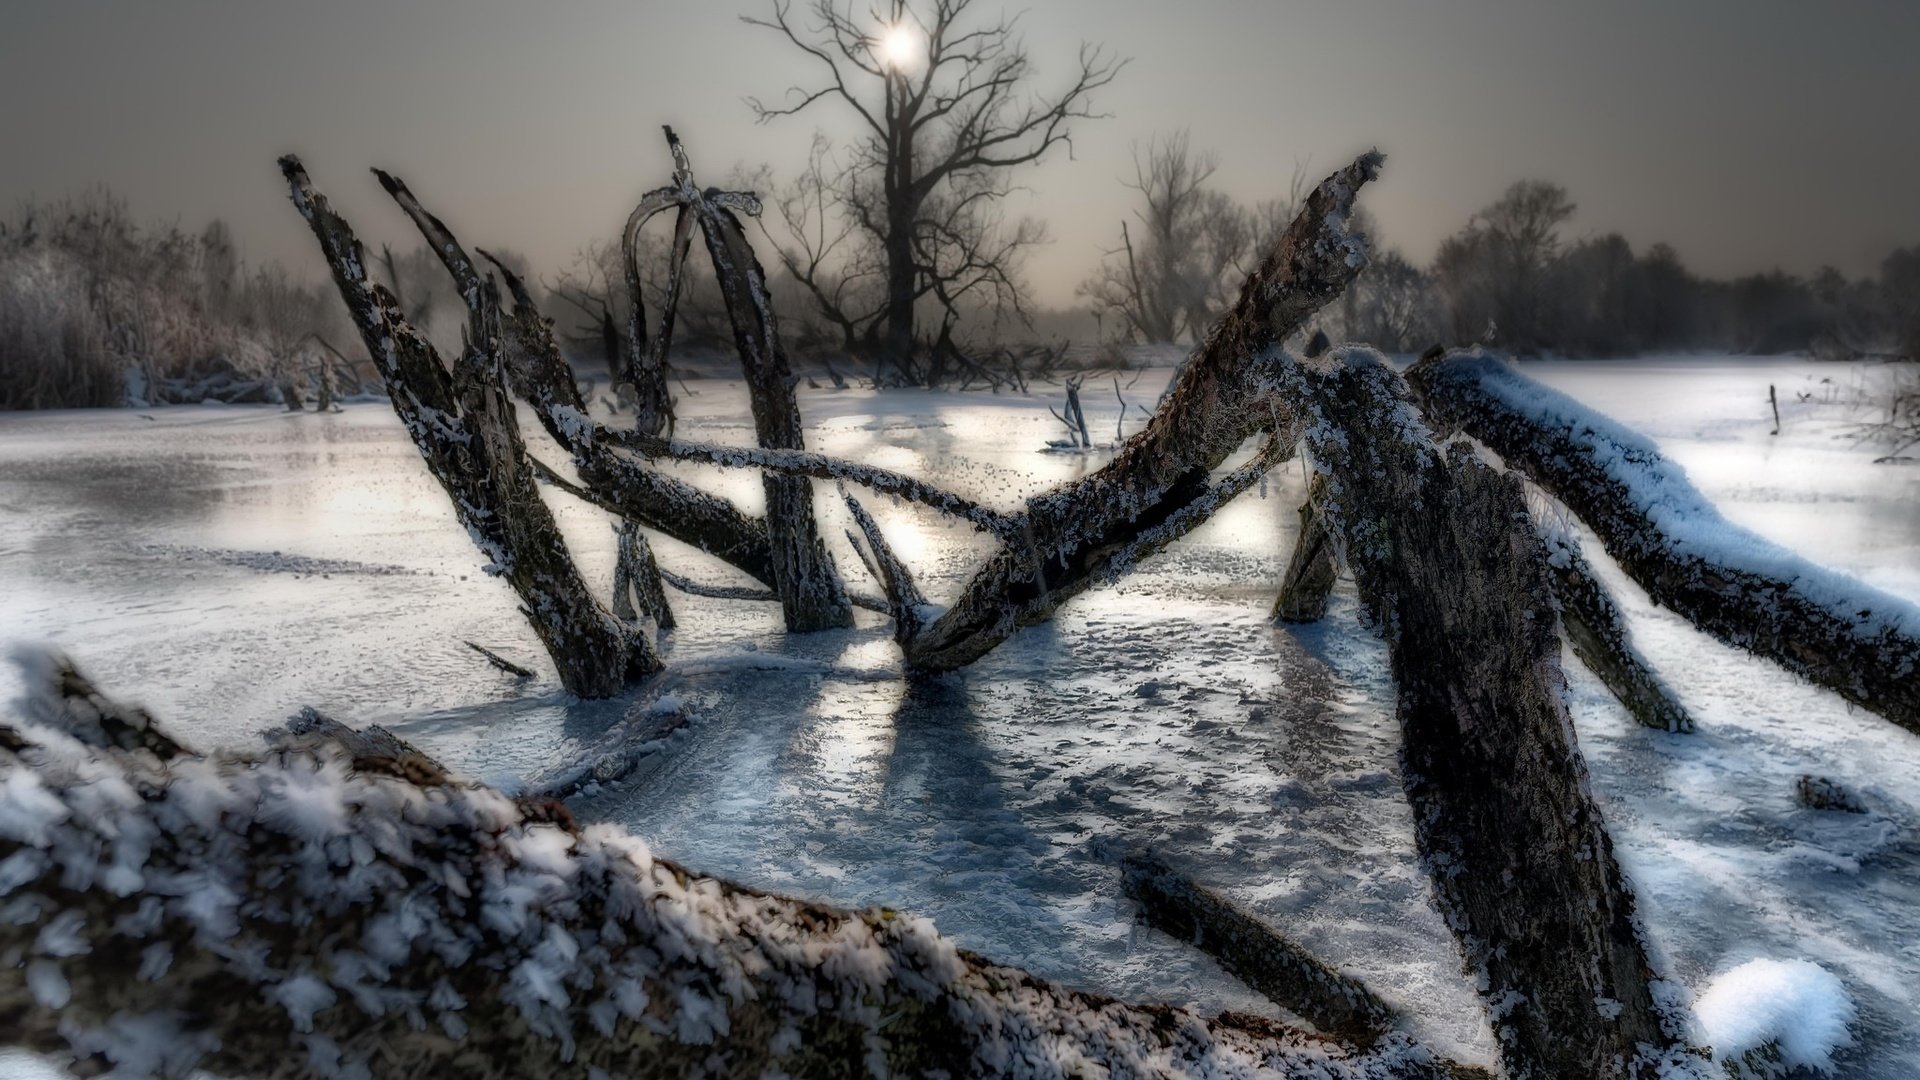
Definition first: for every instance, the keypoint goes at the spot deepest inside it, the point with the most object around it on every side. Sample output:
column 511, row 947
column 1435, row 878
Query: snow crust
column 1797, row 1005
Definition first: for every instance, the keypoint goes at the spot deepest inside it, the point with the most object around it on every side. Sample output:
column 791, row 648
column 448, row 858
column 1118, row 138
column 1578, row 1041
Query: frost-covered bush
column 95, row 310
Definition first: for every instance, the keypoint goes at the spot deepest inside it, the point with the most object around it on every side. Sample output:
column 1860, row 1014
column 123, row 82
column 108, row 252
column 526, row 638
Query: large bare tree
column 945, row 113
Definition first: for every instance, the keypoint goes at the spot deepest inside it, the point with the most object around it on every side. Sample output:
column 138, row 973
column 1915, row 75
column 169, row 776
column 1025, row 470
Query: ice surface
column 229, row 565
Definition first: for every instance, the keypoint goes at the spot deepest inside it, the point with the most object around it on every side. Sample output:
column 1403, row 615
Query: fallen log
column 1453, row 575
column 1272, row 966
column 335, row 906
column 1824, row 626
column 463, row 422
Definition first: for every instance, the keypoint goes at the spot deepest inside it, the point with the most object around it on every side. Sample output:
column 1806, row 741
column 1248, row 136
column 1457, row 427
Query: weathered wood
column 464, row 425
column 339, row 905
column 1157, row 483
column 636, row 579
column 1252, row 952
column 1824, row 626
column 812, row 596
column 1454, row 576
column 1310, row 569
column 499, row 661
column 1600, row 638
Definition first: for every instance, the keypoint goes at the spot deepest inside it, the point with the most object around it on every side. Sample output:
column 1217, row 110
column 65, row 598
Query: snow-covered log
column 337, row 905
column 1824, row 626
column 1600, row 638
column 1310, row 570
column 1454, row 576
column 1157, row 487
column 463, row 423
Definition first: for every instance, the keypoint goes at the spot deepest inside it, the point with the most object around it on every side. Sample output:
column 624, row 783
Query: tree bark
column 1269, row 964
column 1599, row 636
column 1824, row 626
column 1310, row 570
column 463, row 423
column 1156, row 487
column 339, row 905
column 812, row 597
column 1455, row 578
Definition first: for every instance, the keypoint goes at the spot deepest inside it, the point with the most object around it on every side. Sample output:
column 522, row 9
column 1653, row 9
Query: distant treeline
column 1509, row 279
column 95, row 310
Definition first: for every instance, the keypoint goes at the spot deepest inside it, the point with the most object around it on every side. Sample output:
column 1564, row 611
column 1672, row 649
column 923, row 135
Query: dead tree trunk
column 1836, row 631
column 340, row 905
column 1455, row 578
column 1269, row 964
column 1599, row 636
column 636, row 579
column 1157, row 486
column 811, row 594
column 1310, row 570
column 464, row 426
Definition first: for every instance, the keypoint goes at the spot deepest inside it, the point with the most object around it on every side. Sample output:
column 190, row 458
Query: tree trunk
column 464, row 426
column 901, row 279
column 340, row 905
column 811, row 594
column 1824, row 626
column 1598, row 633
column 1156, row 487
column 1310, row 571
column 636, row 579
column 1455, row 577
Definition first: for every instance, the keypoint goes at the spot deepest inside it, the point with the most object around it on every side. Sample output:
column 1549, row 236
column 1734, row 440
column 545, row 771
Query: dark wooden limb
column 1086, row 530
column 500, row 662
column 820, row 467
column 636, row 578
column 1253, row 952
column 1598, row 633
column 332, row 906
column 905, row 602
column 1454, row 576
column 1310, row 570
column 464, row 425
column 812, row 596
column 1826, row 627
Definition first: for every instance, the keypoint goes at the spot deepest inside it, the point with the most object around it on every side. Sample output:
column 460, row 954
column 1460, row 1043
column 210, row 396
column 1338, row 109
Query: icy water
column 228, row 565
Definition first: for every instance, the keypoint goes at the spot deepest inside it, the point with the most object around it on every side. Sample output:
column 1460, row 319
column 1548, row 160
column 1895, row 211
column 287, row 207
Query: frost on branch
column 463, row 423
column 1455, row 578
column 1839, row 632
column 335, row 905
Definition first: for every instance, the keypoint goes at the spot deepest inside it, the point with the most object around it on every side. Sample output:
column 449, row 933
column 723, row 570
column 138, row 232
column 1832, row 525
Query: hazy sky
column 1748, row 133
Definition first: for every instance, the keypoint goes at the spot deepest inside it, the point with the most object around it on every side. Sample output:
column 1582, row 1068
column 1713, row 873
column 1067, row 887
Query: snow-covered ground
column 228, row 565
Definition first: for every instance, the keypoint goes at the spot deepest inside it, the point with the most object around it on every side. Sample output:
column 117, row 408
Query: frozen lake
column 229, row 565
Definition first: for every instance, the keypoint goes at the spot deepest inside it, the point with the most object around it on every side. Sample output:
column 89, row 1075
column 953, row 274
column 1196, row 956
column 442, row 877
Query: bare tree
column 916, row 201
column 1495, row 269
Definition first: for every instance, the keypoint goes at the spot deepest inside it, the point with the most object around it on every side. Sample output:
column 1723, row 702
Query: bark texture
column 1831, row 629
column 339, row 905
column 464, row 425
column 1600, row 638
column 1310, row 570
column 1455, row 577
column 812, row 596
column 1157, row 486
column 1269, row 964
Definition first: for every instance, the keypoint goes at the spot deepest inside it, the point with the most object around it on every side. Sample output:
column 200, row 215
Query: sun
column 901, row 46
